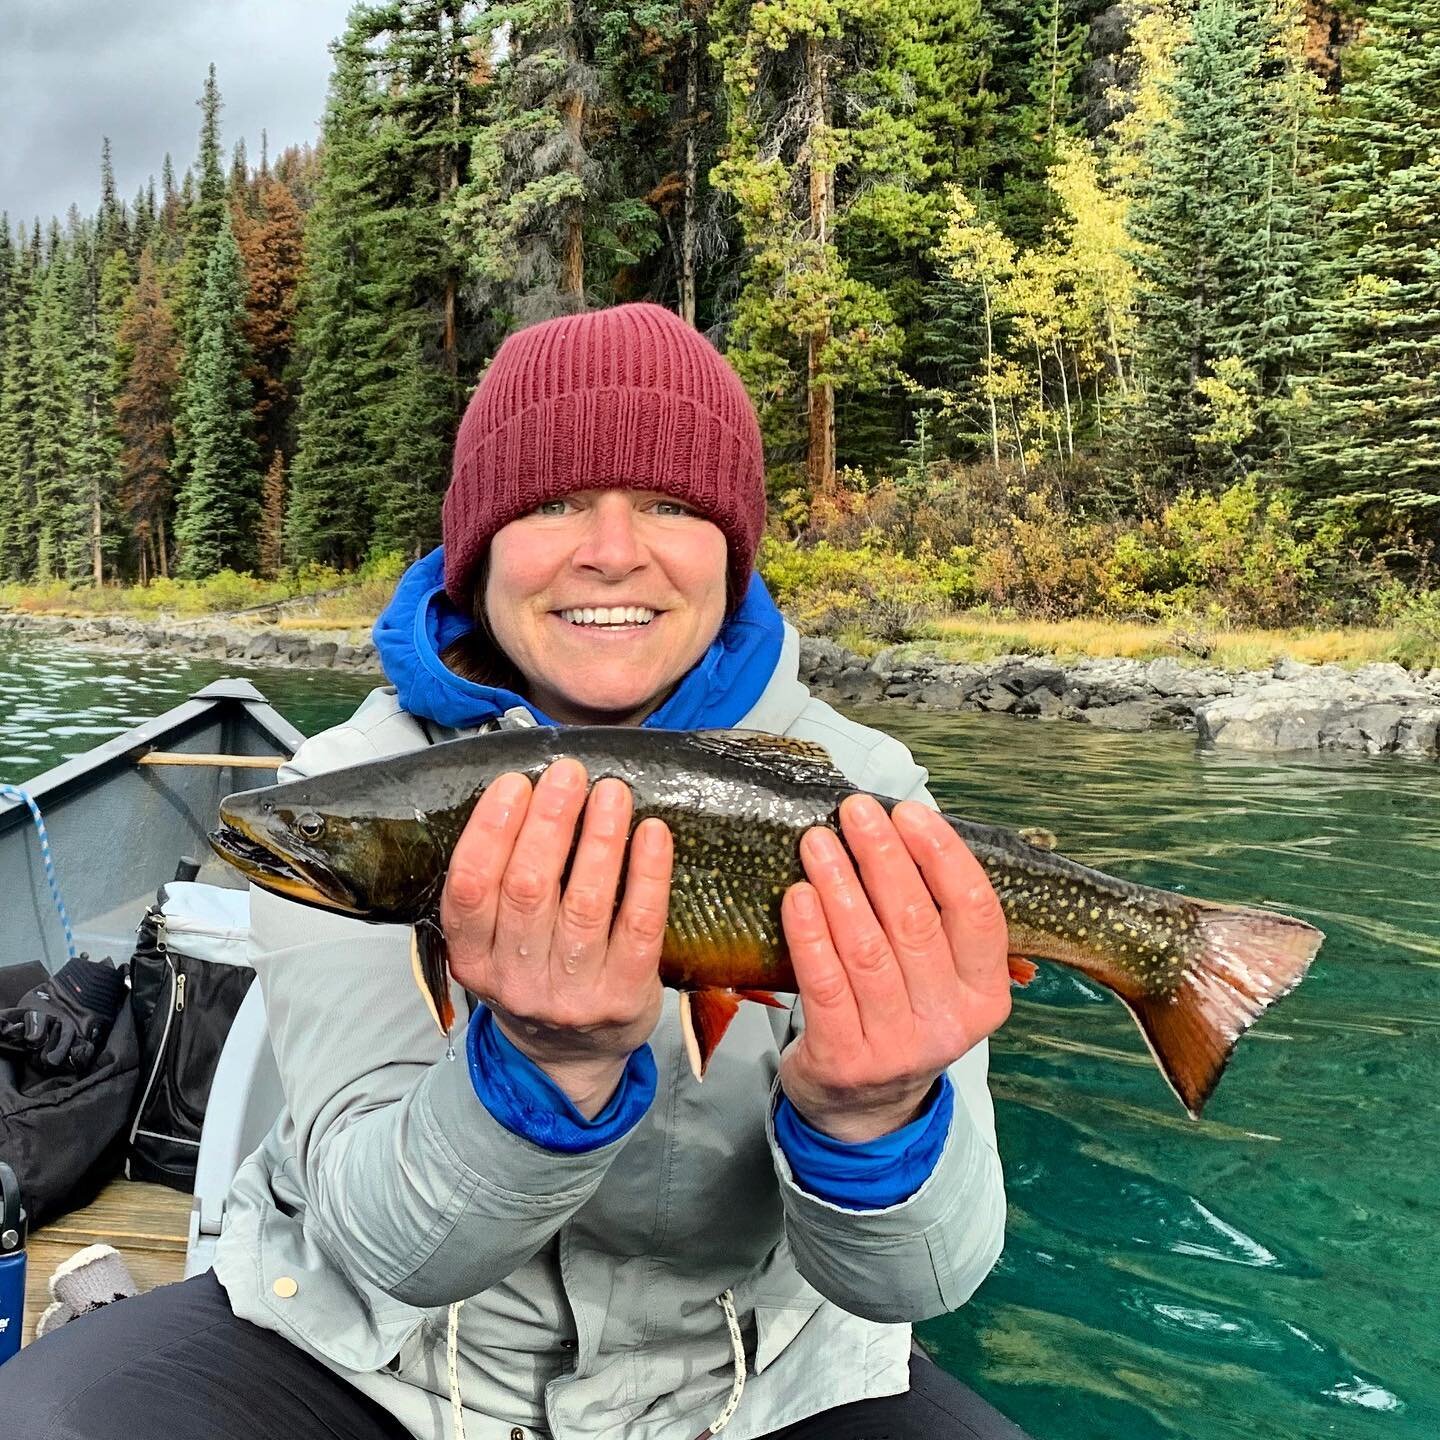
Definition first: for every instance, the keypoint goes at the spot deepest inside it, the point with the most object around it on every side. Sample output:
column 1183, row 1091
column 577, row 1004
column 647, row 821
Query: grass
column 980, row 637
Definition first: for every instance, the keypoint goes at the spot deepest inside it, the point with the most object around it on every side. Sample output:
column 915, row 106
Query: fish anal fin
column 1246, row 960
column 430, row 965
column 705, row 1016
column 1022, row 971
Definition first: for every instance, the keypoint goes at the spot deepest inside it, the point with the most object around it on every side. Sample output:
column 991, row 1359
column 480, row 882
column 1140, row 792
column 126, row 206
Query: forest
column 1054, row 306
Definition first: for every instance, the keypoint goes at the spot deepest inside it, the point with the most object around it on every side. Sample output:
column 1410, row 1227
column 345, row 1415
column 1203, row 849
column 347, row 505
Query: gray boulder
column 1418, row 733
column 1262, row 722
column 1371, row 728
column 1131, row 715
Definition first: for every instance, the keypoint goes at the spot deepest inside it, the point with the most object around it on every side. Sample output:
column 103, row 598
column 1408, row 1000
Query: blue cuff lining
column 528, row 1103
column 874, row 1174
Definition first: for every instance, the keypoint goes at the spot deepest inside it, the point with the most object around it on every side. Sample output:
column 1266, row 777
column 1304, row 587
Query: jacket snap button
column 285, row 1287
column 516, row 1433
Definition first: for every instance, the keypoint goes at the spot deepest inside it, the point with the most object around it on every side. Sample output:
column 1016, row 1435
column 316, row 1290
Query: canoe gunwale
column 61, row 781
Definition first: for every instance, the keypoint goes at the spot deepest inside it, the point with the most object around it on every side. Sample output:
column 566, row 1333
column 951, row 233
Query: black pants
column 175, row 1364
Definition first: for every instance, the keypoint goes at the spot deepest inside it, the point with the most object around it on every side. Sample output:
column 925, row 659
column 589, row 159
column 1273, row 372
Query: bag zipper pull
column 180, row 991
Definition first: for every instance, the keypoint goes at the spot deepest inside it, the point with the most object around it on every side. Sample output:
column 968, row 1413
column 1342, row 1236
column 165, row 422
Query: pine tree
column 271, row 247
column 218, row 520
column 522, row 211
column 147, row 350
column 1374, row 445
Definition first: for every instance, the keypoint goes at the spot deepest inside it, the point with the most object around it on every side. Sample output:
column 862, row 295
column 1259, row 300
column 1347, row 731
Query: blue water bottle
column 12, row 1264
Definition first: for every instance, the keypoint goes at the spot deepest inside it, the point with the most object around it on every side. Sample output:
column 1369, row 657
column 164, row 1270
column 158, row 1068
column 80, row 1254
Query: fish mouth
column 309, row 881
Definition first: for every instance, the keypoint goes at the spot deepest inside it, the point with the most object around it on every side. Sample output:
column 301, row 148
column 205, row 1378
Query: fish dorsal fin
column 802, row 760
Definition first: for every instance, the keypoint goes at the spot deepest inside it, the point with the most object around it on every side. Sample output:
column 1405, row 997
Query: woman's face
column 604, row 599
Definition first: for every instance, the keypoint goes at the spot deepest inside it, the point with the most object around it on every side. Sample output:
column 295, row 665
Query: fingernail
column 864, row 811
column 609, row 796
column 824, row 845
column 510, row 789
column 566, row 774
column 652, row 837
column 802, row 897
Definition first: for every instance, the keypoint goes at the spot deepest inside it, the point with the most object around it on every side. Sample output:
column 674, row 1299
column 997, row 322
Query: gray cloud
column 72, row 71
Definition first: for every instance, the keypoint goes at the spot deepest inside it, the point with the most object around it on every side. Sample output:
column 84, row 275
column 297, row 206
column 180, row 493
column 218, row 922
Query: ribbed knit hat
column 630, row 396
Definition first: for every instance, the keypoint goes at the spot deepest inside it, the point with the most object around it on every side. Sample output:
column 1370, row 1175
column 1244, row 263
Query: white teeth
column 609, row 615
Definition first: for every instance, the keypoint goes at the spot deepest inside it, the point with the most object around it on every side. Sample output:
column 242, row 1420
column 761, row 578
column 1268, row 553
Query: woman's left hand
column 901, row 968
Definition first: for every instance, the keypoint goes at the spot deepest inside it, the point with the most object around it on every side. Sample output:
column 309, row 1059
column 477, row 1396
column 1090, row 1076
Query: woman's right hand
column 573, row 983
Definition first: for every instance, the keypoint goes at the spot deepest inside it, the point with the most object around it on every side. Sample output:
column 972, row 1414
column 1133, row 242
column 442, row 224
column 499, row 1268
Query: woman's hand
column 571, row 982
column 899, row 975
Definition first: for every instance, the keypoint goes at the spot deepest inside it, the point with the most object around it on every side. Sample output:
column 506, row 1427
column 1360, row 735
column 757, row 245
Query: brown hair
column 477, row 656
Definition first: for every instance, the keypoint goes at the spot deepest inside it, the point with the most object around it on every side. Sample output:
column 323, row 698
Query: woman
column 554, row 1230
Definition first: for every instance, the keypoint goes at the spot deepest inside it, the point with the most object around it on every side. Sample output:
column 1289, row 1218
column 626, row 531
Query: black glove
column 61, row 1025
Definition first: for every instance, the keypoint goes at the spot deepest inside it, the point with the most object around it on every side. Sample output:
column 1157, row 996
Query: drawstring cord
column 726, row 1302
column 14, row 792
column 452, row 1369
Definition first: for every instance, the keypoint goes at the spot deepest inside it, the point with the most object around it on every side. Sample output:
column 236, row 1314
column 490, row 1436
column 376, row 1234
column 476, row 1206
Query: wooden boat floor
column 147, row 1224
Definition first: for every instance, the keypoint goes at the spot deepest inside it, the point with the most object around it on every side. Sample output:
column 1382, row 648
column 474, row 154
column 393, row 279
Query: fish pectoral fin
column 430, row 965
column 763, row 997
column 1022, row 971
column 705, row 1016
column 1039, row 837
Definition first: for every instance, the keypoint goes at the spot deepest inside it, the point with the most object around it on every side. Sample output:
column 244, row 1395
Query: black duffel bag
column 188, row 976
column 69, row 1066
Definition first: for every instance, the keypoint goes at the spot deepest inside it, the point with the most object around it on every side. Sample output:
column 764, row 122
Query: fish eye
column 310, row 825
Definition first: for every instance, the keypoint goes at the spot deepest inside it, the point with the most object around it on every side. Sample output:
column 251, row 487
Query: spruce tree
column 328, row 509
column 52, row 365
column 1224, row 247
column 17, row 410
column 1374, row 444
column 218, row 520
column 204, row 212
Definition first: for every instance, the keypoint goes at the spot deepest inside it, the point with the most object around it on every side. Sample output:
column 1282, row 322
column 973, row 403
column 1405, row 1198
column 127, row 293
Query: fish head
column 311, row 842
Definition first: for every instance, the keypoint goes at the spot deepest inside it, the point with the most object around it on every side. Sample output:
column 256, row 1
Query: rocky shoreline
column 1375, row 709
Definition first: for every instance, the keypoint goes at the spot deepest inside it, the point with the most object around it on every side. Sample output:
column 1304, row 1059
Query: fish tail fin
column 1247, row 959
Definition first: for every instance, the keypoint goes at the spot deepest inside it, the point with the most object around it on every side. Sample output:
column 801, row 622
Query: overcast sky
column 72, row 71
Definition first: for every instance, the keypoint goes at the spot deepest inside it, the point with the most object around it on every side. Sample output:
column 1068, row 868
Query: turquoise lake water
column 1270, row 1271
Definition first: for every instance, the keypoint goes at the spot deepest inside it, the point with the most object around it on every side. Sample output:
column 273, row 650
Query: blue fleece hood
column 421, row 621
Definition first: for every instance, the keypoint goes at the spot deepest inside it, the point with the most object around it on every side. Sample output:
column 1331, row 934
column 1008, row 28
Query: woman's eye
column 551, row 507
column 672, row 507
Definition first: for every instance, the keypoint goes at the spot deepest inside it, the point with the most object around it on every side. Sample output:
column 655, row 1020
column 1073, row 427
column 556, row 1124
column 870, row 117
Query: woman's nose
column 612, row 541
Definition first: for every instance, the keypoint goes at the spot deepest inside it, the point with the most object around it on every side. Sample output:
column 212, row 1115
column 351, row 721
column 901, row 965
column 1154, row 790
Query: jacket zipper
column 164, row 1037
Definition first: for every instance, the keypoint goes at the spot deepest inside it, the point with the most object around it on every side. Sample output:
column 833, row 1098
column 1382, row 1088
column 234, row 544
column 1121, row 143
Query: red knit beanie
column 631, row 396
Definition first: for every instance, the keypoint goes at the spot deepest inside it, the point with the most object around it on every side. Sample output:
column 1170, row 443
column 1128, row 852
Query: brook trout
column 374, row 841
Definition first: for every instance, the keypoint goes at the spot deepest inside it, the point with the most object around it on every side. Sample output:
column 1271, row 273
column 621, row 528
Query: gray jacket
column 386, row 1192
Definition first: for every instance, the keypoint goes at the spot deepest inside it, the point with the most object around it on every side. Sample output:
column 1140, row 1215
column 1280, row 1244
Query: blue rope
column 14, row 792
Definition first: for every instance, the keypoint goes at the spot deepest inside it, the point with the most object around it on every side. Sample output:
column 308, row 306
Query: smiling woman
column 762, row 1249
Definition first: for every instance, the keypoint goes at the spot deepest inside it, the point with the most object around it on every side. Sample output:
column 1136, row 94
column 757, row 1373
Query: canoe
column 120, row 817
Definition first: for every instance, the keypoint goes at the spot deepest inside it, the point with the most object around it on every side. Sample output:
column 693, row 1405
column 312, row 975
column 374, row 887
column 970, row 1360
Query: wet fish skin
column 1195, row 974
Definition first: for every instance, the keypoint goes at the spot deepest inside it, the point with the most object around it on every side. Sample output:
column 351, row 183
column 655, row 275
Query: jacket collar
column 728, row 683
